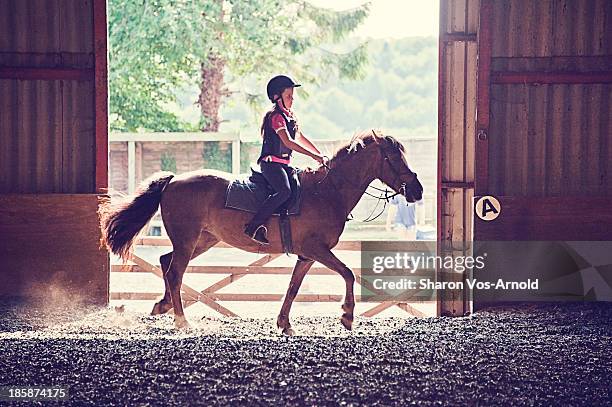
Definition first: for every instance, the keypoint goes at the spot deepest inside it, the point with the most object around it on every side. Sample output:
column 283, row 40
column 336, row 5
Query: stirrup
column 259, row 235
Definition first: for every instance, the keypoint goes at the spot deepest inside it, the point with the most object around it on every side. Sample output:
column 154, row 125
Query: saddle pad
column 245, row 195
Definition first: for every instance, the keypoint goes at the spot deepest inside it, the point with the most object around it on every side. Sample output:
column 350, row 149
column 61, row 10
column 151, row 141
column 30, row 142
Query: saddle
column 248, row 192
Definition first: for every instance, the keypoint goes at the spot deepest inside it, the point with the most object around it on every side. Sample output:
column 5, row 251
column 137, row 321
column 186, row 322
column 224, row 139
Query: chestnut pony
column 192, row 209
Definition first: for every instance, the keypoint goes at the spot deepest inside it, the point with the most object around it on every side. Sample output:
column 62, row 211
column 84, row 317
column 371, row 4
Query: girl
column 281, row 136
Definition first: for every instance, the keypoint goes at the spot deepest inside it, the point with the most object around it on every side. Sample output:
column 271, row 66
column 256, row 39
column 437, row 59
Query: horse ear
column 376, row 138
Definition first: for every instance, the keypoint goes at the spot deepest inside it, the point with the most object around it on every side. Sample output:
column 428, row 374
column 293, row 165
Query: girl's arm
column 297, row 147
column 307, row 142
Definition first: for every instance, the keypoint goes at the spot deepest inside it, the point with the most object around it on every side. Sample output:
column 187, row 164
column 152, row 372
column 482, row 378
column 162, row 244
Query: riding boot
column 257, row 233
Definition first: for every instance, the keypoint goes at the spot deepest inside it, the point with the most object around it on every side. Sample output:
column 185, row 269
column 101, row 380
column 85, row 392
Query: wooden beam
column 441, row 123
column 379, row 308
column 349, row 245
column 483, row 88
column 457, row 37
column 46, row 74
column 411, row 310
column 224, row 282
column 265, row 259
column 541, row 78
column 457, row 185
column 396, row 300
column 174, row 137
column 101, row 93
column 316, row 271
column 236, row 297
column 189, row 292
column 548, row 219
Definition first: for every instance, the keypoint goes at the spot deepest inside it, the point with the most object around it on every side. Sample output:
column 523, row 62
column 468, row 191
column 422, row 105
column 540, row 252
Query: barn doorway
column 403, row 99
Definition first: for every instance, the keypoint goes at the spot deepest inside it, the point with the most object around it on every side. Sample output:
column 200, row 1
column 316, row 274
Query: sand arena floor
column 534, row 355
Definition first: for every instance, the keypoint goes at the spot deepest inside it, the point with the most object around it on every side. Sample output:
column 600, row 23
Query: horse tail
column 121, row 223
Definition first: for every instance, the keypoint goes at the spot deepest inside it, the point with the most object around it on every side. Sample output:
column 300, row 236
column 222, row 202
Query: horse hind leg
column 165, row 304
column 205, row 242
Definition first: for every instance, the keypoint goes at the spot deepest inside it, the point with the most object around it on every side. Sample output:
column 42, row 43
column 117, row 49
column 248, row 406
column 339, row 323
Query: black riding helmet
column 278, row 84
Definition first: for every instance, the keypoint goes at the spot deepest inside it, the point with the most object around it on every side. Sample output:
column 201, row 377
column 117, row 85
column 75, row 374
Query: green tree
column 157, row 45
column 154, row 46
column 215, row 158
column 168, row 162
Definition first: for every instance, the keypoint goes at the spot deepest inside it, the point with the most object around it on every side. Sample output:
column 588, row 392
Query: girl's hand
column 322, row 159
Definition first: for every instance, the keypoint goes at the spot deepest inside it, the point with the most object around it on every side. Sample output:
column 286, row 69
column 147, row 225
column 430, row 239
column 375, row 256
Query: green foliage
column 398, row 93
column 248, row 154
column 156, row 46
column 168, row 162
column 215, row 158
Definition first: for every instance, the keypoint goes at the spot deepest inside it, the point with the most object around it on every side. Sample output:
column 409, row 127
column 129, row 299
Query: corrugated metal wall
column 47, row 127
column 550, row 140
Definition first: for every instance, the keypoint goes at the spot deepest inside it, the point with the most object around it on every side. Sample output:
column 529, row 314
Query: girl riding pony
column 281, row 136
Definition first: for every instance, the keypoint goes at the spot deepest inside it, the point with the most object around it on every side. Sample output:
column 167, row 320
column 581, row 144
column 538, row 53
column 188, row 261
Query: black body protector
column 272, row 144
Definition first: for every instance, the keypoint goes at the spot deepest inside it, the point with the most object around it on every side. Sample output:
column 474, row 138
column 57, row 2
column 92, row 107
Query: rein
column 385, row 194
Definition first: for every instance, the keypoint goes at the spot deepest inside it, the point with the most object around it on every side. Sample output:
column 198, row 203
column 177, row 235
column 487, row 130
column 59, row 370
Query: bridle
column 385, row 194
column 397, row 175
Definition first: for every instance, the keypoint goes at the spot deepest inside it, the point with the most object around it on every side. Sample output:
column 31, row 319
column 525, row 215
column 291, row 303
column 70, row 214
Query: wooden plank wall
column 47, row 113
column 550, row 135
column 549, row 138
column 50, row 246
column 456, row 141
column 53, row 147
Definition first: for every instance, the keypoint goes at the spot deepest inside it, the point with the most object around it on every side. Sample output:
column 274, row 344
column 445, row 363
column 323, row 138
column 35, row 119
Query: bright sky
column 393, row 18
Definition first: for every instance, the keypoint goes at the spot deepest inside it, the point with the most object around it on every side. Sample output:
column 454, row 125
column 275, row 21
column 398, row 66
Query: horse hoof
column 288, row 332
column 181, row 323
column 161, row 308
column 347, row 321
column 348, row 309
column 156, row 310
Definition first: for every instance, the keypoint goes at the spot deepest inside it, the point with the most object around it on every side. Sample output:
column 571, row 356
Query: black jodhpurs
column 280, row 178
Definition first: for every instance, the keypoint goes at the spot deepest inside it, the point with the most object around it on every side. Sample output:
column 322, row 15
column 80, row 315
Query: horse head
column 394, row 170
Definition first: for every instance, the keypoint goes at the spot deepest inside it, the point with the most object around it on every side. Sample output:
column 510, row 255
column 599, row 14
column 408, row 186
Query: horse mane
column 362, row 139
column 359, row 140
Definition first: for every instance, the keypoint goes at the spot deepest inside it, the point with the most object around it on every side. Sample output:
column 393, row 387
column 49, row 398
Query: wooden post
column 236, row 156
column 139, row 153
column 131, row 166
column 101, row 94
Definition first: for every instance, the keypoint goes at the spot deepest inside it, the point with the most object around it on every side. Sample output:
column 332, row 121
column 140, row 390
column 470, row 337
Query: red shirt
column 278, row 122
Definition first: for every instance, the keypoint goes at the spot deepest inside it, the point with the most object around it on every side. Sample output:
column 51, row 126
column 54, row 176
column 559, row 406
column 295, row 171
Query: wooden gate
column 210, row 296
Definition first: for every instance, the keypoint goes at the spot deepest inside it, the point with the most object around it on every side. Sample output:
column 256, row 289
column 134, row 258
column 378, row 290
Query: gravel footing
column 529, row 355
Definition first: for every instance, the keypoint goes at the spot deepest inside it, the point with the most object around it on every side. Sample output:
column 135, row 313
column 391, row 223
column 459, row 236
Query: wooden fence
column 211, row 297
column 133, row 138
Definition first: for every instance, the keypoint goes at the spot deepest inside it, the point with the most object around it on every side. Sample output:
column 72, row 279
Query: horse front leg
column 297, row 276
column 324, row 256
